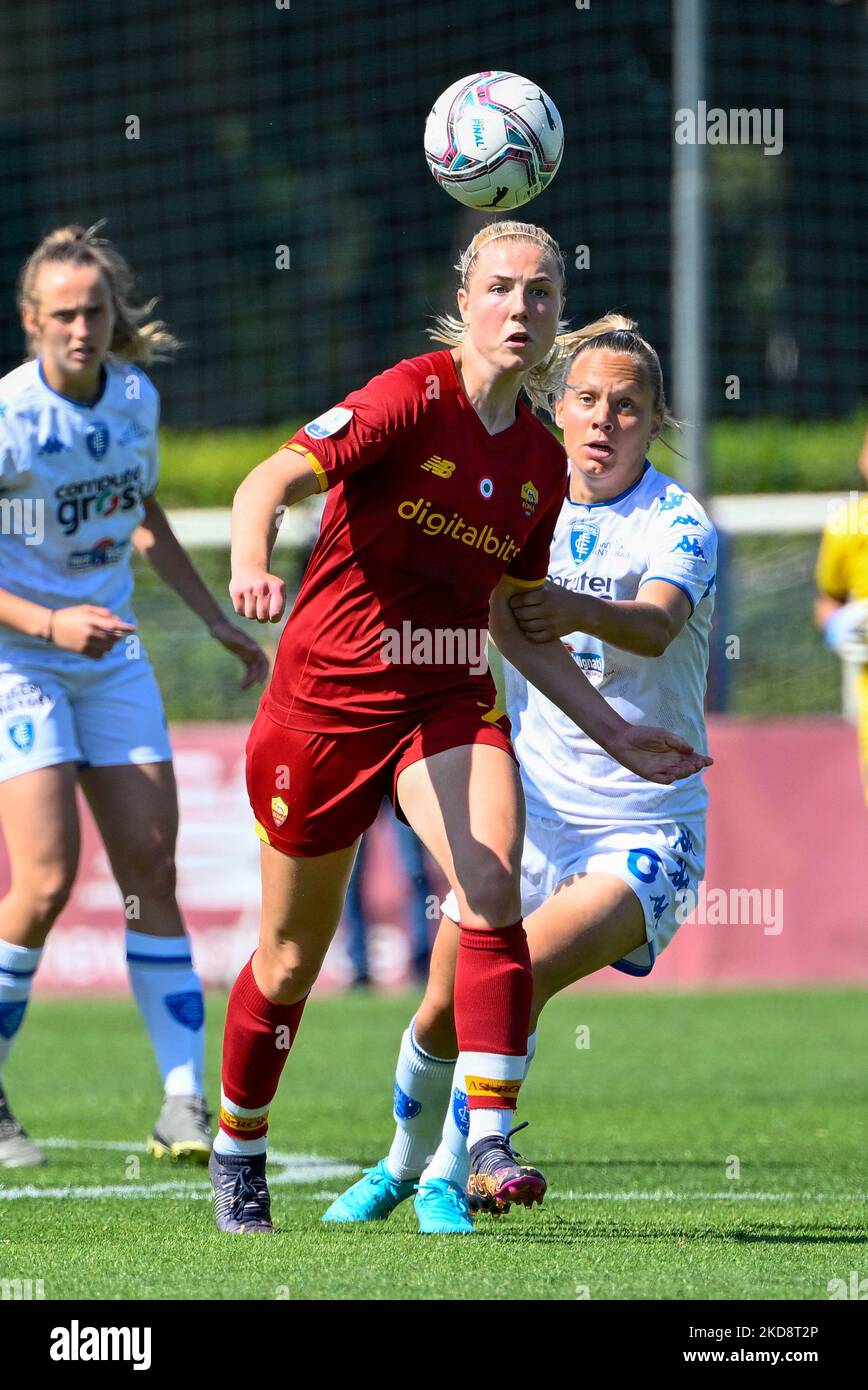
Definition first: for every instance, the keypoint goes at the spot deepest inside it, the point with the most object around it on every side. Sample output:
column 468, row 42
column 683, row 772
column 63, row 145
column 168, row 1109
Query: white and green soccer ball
column 494, row 140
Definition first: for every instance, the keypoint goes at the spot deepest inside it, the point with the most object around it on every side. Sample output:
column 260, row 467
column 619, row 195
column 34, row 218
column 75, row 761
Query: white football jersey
column 72, row 479
column 654, row 530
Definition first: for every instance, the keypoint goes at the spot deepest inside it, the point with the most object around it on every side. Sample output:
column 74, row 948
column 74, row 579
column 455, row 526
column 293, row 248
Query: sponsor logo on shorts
column 279, row 810
column 242, row 1123
column 23, row 695
column 492, row 1086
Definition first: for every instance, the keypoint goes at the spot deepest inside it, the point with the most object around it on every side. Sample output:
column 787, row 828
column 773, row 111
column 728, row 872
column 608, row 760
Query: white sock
column 169, row 995
column 228, row 1143
column 491, row 1074
column 531, row 1052
column 17, row 968
column 421, row 1091
column 452, row 1160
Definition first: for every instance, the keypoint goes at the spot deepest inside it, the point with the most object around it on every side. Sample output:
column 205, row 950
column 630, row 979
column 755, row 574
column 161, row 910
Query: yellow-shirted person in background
column 841, row 606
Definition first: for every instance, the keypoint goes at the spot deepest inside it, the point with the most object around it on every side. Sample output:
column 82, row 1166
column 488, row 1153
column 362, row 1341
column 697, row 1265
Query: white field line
column 297, row 1169
column 291, row 1169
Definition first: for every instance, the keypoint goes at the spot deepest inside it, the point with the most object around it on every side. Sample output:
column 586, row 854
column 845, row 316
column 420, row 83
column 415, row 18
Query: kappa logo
column 529, row 498
column 52, row 445
column 583, row 538
column 134, row 431
column 444, row 468
column 279, row 810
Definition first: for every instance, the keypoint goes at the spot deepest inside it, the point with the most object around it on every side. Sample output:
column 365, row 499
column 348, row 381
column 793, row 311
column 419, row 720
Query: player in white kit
column 611, row 863
column 78, row 699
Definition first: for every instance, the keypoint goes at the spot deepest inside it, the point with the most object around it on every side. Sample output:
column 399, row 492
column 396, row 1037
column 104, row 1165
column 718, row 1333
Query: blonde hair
column 133, row 340
column 544, row 381
column 617, row 333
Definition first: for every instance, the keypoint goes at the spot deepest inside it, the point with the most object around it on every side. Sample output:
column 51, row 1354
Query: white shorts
column 62, row 707
column 661, row 863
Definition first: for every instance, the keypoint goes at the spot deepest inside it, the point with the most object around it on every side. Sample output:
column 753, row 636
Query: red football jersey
column 426, row 512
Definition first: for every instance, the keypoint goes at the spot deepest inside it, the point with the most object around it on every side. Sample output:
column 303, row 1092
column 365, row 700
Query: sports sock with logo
column 422, row 1085
column 452, row 1161
column 169, row 995
column 493, row 995
column 256, row 1043
column 17, row 968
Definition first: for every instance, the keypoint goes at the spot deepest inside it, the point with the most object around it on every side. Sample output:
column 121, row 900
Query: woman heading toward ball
column 443, row 494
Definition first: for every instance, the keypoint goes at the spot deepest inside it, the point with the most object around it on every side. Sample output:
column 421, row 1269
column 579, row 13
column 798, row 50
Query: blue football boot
column 372, row 1198
column 442, row 1209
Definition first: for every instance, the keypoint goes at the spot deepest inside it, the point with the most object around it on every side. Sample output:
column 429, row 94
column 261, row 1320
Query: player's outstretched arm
column 655, row 754
column 257, row 510
column 644, row 626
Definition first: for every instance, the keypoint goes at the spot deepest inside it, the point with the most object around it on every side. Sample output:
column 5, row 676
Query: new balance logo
column 444, row 468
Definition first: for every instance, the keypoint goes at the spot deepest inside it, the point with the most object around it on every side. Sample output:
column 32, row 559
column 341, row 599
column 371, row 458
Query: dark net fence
column 212, row 136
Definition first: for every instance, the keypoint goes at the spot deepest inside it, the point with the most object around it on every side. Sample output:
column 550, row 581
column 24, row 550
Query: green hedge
column 765, row 455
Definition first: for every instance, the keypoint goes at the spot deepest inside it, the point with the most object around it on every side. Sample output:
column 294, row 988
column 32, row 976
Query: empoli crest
column 583, row 538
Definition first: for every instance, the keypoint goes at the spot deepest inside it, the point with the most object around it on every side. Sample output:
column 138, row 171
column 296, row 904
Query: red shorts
column 313, row 793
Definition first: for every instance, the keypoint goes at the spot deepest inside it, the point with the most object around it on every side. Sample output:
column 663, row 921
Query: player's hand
column 258, row 595
column 234, row 639
column 655, row 754
column 545, row 613
column 87, row 629
column 846, row 632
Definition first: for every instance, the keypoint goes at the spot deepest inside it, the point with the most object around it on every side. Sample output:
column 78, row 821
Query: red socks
column 493, row 996
column 256, row 1042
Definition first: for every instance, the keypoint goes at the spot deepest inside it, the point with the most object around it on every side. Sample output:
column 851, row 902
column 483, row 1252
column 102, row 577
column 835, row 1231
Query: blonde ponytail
column 133, row 340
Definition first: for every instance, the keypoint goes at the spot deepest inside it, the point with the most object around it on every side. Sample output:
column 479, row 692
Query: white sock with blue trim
column 421, row 1089
column 452, row 1160
column 17, row 968
column 169, row 995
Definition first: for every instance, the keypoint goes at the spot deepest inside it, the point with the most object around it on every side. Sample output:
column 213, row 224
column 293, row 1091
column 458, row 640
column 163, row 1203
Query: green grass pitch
column 701, row 1146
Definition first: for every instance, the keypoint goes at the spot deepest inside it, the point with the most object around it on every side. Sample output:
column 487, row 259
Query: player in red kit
column 444, row 490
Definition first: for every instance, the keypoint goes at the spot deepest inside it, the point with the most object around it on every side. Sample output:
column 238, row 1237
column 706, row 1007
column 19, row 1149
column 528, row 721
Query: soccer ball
column 494, row 141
